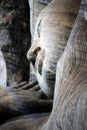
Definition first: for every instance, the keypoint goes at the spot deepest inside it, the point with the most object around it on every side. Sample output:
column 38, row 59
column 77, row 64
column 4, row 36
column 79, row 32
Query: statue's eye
column 39, row 29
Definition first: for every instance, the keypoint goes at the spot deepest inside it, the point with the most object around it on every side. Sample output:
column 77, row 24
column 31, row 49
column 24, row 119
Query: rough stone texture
column 70, row 96
column 70, row 101
column 21, row 100
column 15, row 38
column 52, row 31
column 36, row 7
column 3, row 71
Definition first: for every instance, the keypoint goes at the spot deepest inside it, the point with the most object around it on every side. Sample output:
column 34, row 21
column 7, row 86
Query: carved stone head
column 52, row 30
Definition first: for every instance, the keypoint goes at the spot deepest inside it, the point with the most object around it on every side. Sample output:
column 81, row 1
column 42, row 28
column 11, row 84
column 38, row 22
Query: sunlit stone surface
column 3, row 71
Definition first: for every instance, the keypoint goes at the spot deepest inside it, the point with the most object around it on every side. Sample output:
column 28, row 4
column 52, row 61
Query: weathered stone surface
column 15, row 38
column 36, row 6
column 25, row 98
column 70, row 96
column 70, row 100
column 3, row 71
column 27, row 122
column 52, row 31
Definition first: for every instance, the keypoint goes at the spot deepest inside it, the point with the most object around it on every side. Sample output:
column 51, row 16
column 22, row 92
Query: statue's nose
column 32, row 54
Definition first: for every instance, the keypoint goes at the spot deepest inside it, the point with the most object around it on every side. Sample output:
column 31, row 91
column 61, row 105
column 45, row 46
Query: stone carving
column 24, row 98
column 70, row 100
column 15, row 39
column 36, row 6
column 52, row 30
column 3, row 72
column 70, row 95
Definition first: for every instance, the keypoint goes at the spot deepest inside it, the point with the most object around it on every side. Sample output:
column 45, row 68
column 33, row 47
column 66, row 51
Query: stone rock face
column 36, row 7
column 70, row 95
column 3, row 71
column 52, row 31
column 70, row 100
column 15, row 38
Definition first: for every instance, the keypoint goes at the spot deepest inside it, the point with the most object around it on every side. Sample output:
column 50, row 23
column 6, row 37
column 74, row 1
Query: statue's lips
column 33, row 69
column 36, row 60
column 37, row 66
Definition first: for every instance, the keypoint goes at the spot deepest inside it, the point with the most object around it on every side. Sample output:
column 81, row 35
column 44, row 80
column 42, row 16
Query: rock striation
column 15, row 39
column 36, row 6
column 52, row 31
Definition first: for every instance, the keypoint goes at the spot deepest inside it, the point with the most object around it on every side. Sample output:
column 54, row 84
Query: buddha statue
column 70, row 80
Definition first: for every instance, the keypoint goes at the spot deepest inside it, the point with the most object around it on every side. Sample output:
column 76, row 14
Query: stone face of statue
column 70, row 100
column 51, row 34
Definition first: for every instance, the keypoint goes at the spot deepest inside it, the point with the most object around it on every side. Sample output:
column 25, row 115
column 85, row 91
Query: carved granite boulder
column 36, row 6
column 70, row 95
column 3, row 71
column 70, row 100
column 52, row 31
column 15, row 39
